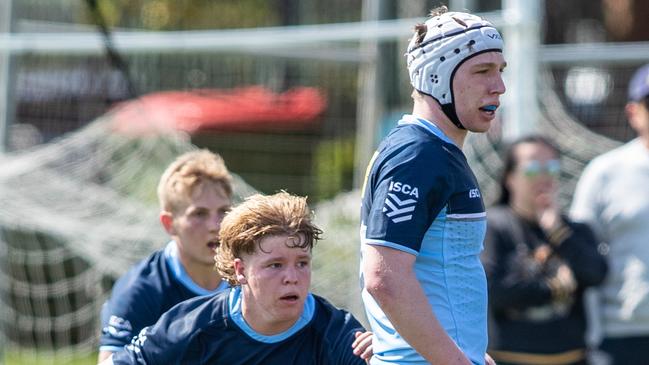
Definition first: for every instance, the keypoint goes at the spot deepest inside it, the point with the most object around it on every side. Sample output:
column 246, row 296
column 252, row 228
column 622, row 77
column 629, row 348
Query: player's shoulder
column 195, row 314
column 203, row 305
column 409, row 146
column 135, row 302
column 334, row 329
column 324, row 305
column 143, row 278
column 328, row 315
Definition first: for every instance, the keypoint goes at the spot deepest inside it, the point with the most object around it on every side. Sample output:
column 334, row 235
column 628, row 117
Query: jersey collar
column 426, row 124
column 178, row 271
column 234, row 303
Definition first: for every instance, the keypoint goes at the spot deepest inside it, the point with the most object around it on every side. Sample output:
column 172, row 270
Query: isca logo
column 397, row 209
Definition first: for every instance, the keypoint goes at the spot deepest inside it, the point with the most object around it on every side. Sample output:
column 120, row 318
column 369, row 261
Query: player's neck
column 203, row 275
column 427, row 108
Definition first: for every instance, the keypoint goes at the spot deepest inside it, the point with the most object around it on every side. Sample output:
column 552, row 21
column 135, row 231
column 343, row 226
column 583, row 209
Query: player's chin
column 479, row 123
column 208, row 258
column 288, row 313
column 480, row 127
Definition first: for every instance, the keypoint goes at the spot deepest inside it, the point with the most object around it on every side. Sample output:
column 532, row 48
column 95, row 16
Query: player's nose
column 214, row 223
column 498, row 85
column 290, row 275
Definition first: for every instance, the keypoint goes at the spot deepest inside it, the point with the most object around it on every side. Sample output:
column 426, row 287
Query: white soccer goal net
column 76, row 213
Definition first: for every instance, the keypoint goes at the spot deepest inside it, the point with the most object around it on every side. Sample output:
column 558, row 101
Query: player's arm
column 130, row 308
column 103, row 355
column 390, row 279
column 170, row 339
column 122, row 321
column 162, row 343
column 117, row 328
column 108, row 360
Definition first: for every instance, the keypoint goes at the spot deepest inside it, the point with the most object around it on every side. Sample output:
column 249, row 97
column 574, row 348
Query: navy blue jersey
column 421, row 197
column 143, row 294
column 211, row 330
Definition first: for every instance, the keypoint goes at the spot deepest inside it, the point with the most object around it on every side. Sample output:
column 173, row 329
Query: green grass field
column 32, row 358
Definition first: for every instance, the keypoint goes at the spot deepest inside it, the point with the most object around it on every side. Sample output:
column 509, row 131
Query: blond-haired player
column 195, row 193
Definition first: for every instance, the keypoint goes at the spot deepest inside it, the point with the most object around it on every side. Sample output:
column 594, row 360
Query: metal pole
column 369, row 106
column 522, row 40
column 6, row 79
column 6, row 115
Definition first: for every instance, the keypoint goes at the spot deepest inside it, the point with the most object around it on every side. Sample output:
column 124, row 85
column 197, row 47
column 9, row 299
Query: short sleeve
column 406, row 192
column 168, row 341
column 128, row 310
column 150, row 347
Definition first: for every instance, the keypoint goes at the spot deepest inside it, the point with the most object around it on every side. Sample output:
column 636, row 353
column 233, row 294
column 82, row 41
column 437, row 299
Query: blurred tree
column 189, row 14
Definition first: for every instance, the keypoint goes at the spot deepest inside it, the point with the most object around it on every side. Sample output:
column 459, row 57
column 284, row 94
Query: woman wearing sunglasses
column 538, row 263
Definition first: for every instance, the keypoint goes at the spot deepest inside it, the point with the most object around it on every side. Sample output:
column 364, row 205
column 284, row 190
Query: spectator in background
column 538, row 263
column 268, row 317
column 423, row 219
column 613, row 196
column 194, row 192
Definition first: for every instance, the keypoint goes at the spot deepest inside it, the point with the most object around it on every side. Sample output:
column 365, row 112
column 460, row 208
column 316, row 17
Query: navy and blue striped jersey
column 421, row 197
column 143, row 294
column 211, row 330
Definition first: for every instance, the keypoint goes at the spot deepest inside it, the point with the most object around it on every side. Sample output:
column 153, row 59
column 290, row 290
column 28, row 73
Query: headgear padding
column 451, row 38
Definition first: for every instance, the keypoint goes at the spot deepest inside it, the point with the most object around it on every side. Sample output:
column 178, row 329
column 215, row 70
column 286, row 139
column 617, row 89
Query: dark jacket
column 525, row 314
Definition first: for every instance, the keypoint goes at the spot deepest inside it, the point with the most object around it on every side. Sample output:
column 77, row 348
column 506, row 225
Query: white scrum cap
column 451, row 38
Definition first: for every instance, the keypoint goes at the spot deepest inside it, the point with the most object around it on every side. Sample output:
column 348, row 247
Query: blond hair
column 186, row 173
column 261, row 216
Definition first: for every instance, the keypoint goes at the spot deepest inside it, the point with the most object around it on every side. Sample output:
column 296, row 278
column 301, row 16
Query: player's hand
column 488, row 360
column 362, row 345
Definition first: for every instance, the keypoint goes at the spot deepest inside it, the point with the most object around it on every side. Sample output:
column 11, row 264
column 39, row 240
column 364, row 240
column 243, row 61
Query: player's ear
column 239, row 269
column 167, row 220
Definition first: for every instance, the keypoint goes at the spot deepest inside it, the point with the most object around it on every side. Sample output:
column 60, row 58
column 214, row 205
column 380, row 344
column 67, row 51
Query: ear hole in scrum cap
column 449, row 40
